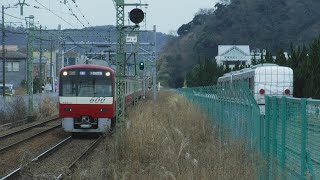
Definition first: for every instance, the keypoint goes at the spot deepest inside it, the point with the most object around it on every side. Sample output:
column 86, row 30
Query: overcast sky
column 168, row 15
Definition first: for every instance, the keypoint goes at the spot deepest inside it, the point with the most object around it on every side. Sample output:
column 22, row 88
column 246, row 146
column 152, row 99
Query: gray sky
column 168, row 15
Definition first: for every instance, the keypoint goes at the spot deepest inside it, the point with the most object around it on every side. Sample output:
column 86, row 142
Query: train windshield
column 91, row 86
column 85, row 83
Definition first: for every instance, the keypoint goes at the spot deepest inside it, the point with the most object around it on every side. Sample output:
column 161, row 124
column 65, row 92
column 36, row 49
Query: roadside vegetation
column 168, row 139
column 15, row 109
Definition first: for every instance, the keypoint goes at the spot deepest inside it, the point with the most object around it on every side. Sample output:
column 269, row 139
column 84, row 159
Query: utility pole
column 51, row 64
column 21, row 4
column 40, row 61
column 4, row 51
column 3, row 56
column 30, row 66
column 155, row 64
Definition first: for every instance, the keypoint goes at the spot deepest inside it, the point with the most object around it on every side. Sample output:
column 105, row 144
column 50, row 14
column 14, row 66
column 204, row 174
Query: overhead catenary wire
column 73, row 14
column 54, row 14
column 13, row 16
column 81, row 12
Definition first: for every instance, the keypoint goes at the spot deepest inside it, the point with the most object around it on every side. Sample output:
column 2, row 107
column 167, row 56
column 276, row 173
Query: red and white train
column 87, row 98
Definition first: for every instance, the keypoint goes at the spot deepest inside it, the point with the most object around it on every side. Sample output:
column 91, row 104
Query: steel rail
column 27, row 128
column 16, row 172
column 28, row 138
column 83, row 155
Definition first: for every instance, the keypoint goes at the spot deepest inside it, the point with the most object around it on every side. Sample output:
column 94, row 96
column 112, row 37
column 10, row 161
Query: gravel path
column 57, row 163
column 26, row 151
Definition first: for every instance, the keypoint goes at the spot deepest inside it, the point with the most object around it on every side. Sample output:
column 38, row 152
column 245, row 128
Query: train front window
column 68, row 86
column 94, row 86
column 85, row 83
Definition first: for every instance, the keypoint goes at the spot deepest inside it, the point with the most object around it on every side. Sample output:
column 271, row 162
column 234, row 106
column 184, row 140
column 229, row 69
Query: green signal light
column 141, row 65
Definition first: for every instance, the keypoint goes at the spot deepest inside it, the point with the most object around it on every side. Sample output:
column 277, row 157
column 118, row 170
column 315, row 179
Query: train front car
column 86, row 98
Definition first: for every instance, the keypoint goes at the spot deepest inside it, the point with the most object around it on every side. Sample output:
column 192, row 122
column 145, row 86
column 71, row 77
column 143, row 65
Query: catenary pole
column 30, row 66
column 3, row 55
column 155, row 64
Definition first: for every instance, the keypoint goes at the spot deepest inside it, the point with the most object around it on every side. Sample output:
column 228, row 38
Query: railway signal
column 136, row 15
column 141, row 65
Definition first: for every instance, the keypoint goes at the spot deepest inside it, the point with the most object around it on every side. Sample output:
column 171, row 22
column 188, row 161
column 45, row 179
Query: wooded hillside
column 264, row 24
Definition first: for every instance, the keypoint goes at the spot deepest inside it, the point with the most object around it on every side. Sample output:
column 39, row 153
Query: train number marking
column 98, row 100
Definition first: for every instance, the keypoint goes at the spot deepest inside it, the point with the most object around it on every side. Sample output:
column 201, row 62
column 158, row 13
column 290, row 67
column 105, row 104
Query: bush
column 47, row 108
column 15, row 109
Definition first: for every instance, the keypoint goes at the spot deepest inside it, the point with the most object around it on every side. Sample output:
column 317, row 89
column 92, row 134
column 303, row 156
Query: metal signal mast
column 136, row 16
column 120, row 63
column 30, row 27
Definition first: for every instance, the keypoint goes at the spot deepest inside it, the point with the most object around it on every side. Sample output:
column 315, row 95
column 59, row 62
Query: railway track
column 17, row 137
column 57, row 161
column 27, row 128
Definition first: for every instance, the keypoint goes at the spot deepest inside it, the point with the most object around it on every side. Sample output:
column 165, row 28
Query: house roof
column 223, row 49
column 13, row 55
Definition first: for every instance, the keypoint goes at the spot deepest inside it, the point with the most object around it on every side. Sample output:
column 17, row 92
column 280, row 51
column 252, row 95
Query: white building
column 257, row 54
column 233, row 54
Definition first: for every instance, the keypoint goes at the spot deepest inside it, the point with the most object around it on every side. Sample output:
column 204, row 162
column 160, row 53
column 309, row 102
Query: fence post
column 274, row 136
column 283, row 133
column 267, row 134
column 303, row 137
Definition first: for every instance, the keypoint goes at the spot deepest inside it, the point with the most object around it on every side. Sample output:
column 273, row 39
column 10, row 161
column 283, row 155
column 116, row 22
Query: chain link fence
column 231, row 109
column 293, row 137
column 288, row 135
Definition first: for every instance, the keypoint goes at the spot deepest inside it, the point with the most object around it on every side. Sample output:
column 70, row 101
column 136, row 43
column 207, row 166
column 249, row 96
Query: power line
column 13, row 16
column 54, row 13
column 70, row 9
column 81, row 12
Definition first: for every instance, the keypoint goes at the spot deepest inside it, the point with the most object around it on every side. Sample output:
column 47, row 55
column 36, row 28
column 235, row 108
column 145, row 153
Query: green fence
column 288, row 135
column 293, row 133
column 232, row 110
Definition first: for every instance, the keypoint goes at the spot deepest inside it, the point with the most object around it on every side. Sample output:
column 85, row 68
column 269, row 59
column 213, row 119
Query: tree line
column 304, row 61
column 273, row 25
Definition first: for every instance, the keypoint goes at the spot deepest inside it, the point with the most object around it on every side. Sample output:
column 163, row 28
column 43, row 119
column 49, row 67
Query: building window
column 12, row 66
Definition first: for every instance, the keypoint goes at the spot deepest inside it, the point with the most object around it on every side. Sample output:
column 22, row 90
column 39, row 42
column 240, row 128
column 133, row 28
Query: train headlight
column 108, row 73
column 65, row 73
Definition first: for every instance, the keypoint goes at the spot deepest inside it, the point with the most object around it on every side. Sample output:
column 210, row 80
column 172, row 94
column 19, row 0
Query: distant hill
column 269, row 24
column 93, row 34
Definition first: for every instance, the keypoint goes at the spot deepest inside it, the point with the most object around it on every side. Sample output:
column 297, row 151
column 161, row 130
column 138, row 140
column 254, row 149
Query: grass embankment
column 170, row 139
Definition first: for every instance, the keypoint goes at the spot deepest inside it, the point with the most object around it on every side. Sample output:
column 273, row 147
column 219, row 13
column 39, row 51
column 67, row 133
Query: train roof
column 87, row 66
column 253, row 68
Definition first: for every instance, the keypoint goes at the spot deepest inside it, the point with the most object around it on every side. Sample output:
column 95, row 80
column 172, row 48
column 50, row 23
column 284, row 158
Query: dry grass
column 15, row 109
column 46, row 109
column 21, row 90
column 170, row 139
